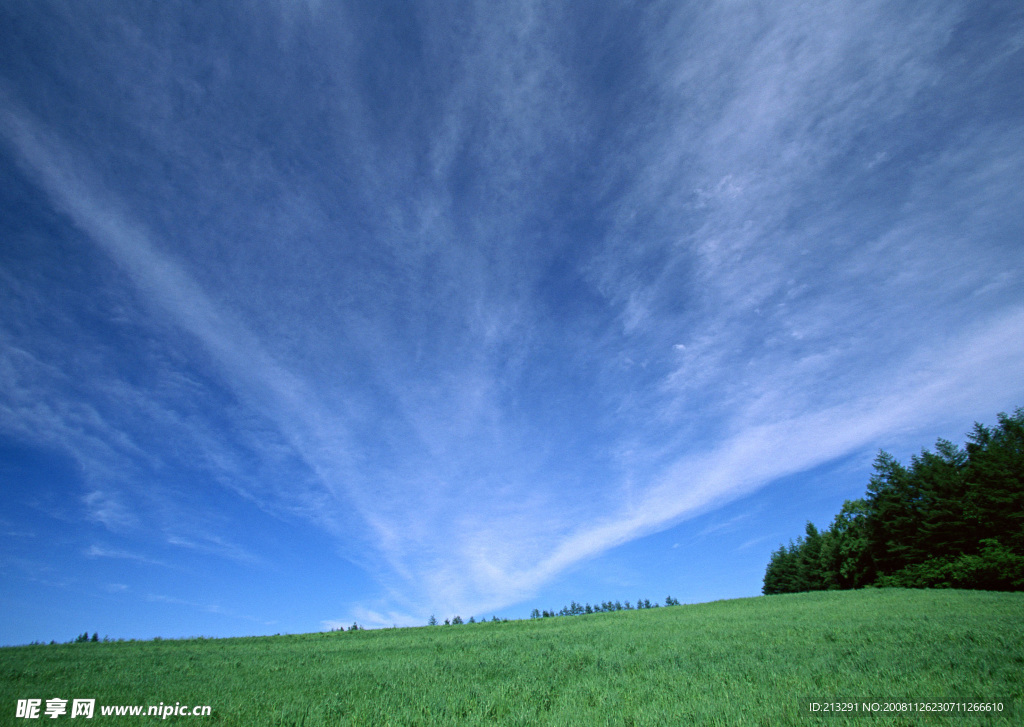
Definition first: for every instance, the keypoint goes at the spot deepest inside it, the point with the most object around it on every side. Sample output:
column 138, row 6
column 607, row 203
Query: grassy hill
column 756, row 661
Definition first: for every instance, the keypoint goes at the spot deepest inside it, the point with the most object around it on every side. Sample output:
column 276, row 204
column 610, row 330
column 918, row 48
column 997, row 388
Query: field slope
column 756, row 661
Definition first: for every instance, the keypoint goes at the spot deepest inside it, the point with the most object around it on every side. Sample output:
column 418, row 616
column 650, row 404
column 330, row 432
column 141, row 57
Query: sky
column 314, row 313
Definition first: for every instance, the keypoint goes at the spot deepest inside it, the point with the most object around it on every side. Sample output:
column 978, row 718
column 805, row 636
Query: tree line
column 573, row 609
column 457, row 621
column 577, row 609
column 952, row 518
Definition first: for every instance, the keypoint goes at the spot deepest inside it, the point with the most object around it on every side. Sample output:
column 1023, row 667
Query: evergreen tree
column 895, row 507
column 995, row 464
column 941, row 478
column 844, row 550
column 810, row 576
column 783, row 572
column 953, row 518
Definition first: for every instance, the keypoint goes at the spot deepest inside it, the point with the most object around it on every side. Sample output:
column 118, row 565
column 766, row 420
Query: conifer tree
column 953, row 517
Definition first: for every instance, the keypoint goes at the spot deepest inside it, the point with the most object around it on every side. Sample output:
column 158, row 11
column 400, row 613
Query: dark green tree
column 954, row 517
column 810, row 576
column 995, row 468
column 844, row 549
column 783, row 572
column 896, row 506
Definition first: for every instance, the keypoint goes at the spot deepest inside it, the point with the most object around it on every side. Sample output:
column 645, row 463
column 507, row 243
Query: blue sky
column 315, row 312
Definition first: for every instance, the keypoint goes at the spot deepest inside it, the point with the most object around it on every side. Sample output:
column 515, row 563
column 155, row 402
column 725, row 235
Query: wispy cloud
column 216, row 545
column 99, row 551
column 107, row 508
column 213, row 608
column 483, row 298
column 167, row 286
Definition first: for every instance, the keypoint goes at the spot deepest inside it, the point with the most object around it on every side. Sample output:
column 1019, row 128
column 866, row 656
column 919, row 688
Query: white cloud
column 168, row 287
column 98, row 551
column 215, row 545
column 213, row 608
column 735, row 297
column 106, row 507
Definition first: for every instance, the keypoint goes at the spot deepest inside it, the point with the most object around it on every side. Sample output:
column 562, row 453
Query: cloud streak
column 485, row 298
column 166, row 285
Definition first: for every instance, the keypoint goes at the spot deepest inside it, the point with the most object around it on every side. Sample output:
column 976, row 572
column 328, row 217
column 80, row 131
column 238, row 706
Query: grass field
column 757, row 661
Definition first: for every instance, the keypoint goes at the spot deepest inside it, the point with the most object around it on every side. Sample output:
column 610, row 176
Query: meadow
column 755, row 661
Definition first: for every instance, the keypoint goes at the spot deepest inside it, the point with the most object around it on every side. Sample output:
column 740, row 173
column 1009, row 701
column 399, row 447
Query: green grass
column 757, row 661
